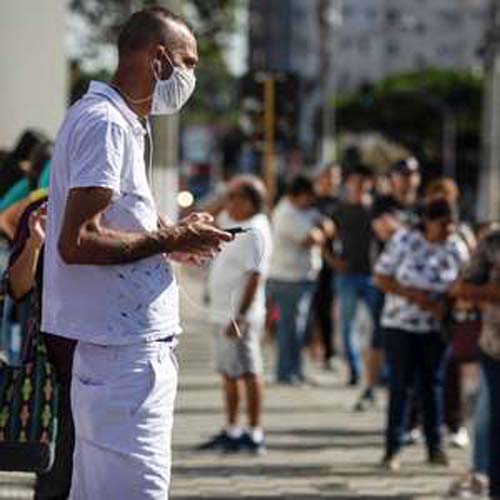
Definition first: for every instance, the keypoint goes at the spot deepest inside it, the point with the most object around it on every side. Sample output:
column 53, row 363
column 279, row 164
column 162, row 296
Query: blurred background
column 283, row 86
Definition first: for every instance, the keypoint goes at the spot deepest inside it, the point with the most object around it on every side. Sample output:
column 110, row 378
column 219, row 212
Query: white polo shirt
column 101, row 144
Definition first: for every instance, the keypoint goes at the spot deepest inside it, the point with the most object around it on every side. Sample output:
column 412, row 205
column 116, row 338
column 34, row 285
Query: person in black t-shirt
column 327, row 186
column 350, row 257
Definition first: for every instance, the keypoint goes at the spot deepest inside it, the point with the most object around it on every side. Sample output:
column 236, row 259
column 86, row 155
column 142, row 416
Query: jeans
column 352, row 288
column 480, row 452
column 491, row 369
column 411, row 356
column 294, row 303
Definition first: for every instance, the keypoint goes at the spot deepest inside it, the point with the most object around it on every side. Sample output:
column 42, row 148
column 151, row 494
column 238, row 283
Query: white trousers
column 123, row 402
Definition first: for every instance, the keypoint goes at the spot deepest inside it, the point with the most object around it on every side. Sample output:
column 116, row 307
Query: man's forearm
column 107, row 247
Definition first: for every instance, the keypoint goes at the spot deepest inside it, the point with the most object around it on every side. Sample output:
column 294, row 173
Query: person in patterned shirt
column 480, row 284
column 416, row 271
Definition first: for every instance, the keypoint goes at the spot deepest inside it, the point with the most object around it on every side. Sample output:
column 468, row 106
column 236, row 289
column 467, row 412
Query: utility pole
column 449, row 142
column 165, row 129
column 330, row 18
column 489, row 182
column 270, row 124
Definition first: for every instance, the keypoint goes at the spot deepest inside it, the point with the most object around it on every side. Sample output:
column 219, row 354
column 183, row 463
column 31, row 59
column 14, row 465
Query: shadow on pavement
column 327, row 432
column 277, row 410
column 301, row 496
column 255, row 469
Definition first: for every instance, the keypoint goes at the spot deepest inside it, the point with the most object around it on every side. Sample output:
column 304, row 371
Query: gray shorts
column 238, row 357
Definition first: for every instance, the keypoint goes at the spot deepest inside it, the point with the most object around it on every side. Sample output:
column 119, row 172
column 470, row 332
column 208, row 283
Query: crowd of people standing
column 343, row 238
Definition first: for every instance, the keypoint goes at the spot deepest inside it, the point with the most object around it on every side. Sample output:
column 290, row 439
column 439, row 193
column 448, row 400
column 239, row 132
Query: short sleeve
column 97, row 156
column 257, row 250
column 392, row 256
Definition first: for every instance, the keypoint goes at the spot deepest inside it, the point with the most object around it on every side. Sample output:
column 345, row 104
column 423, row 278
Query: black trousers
column 413, row 356
column 322, row 307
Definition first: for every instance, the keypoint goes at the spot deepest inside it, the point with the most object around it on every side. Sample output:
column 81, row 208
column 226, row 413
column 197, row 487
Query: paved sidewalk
column 318, row 448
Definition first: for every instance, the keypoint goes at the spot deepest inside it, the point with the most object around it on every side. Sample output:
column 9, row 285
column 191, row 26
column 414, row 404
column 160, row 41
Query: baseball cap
column 406, row 166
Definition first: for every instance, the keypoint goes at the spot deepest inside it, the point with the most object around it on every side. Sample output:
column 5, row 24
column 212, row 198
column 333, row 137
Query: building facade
column 33, row 87
column 378, row 38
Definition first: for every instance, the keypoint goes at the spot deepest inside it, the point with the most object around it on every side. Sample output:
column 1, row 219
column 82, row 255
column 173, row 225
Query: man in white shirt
column 299, row 232
column 108, row 282
column 238, row 310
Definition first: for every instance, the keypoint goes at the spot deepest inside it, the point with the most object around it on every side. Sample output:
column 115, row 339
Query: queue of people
column 328, row 245
column 97, row 269
column 409, row 257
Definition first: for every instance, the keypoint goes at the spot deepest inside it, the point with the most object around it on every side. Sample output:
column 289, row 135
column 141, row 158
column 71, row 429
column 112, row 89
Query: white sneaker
column 412, row 437
column 460, row 439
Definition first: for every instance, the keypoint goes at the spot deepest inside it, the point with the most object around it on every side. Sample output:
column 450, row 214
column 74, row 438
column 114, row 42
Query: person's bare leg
column 232, row 401
column 255, row 391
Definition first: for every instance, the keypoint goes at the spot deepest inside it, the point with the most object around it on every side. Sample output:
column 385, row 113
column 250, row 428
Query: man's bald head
column 155, row 25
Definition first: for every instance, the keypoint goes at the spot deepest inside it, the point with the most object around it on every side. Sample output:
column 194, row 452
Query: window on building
column 347, row 10
column 371, row 13
column 364, row 44
column 345, row 43
column 392, row 48
column 421, row 28
column 420, row 61
column 344, row 80
column 393, row 16
column 450, row 18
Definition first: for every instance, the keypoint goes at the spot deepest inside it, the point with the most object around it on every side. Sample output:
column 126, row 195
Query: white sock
column 234, row 431
column 256, row 433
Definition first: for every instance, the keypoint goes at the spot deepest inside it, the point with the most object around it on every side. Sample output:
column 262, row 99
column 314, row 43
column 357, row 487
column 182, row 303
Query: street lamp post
column 165, row 129
column 489, row 182
column 268, row 81
column 269, row 128
column 330, row 12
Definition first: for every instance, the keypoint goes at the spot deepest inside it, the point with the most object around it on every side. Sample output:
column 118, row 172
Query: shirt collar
column 107, row 91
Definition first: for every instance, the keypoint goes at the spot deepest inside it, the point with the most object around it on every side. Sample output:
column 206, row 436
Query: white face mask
column 171, row 94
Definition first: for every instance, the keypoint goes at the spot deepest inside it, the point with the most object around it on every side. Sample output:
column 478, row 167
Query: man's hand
column 337, row 263
column 195, row 236
column 328, row 228
column 235, row 329
column 185, row 258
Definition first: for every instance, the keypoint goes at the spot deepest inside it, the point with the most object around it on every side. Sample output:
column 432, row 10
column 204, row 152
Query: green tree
column 213, row 21
column 411, row 108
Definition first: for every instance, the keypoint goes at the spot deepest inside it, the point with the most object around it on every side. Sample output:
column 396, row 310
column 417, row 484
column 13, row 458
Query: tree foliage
column 213, row 21
column 411, row 109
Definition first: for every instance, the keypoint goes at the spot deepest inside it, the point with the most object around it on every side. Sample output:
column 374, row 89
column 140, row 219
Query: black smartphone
column 235, row 230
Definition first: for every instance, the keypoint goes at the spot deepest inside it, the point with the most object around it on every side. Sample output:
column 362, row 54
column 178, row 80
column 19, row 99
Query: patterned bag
column 28, row 413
